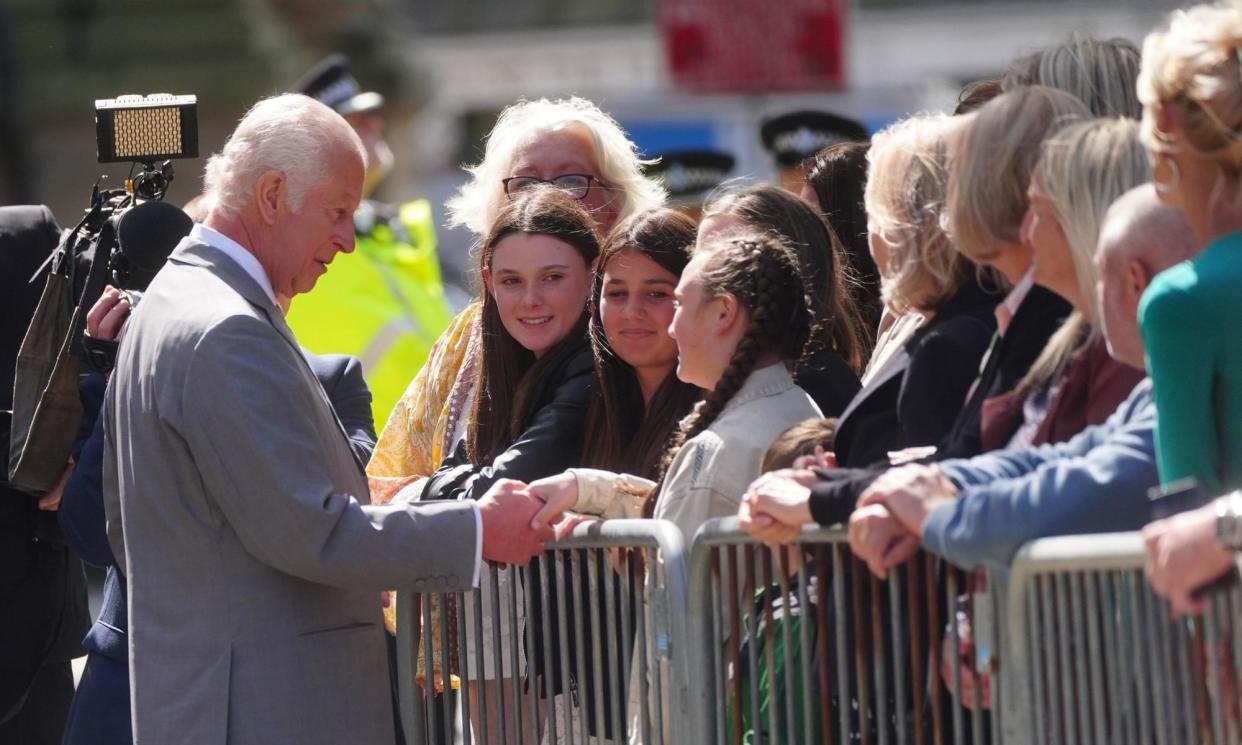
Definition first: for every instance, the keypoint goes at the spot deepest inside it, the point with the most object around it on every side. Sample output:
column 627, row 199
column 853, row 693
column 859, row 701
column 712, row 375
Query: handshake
column 511, row 532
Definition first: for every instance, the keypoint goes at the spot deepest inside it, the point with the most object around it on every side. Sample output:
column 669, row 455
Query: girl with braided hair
column 839, row 344
column 742, row 321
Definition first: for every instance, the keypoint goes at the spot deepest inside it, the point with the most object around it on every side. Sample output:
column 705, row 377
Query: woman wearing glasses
column 570, row 143
column 573, row 145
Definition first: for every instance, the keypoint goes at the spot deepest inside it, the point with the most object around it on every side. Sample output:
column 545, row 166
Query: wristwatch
column 1229, row 521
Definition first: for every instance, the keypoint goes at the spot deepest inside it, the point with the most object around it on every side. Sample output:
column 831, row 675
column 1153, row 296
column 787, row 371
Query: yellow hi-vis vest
column 384, row 303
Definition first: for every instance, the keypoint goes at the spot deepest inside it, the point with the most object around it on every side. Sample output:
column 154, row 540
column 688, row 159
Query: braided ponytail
column 762, row 273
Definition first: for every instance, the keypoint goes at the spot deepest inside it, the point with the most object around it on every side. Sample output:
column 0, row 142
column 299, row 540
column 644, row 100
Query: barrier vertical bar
column 862, row 639
column 515, row 633
column 463, row 665
column 577, row 641
column 955, row 658
column 936, row 640
column 841, row 650
column 901, row 699
column 735, row 637
column 809, row 651
column 1080, row 650
column 917, row 652
column 532, row 651
column 1095, row 665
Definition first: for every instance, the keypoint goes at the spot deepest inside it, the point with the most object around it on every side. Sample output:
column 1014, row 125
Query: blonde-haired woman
column 1074, row 382
column 575, row 146
column 914, row 396
column 1191, row 89
column 994, row 154
column 1099, row 72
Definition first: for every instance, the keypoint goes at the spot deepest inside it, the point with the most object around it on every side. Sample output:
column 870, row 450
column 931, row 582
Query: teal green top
column 1191, row 317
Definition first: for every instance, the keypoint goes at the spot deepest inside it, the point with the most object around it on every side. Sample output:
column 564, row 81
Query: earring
column 1167, row 187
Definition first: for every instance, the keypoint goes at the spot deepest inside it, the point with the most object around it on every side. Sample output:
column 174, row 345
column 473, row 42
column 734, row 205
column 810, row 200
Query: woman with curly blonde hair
column 1191, row 88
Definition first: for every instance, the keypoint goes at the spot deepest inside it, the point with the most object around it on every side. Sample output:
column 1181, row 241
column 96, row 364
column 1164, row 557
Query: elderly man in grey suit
column 235, row 506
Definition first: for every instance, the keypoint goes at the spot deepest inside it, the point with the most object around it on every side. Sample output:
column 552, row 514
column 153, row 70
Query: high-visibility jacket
column 384, row 303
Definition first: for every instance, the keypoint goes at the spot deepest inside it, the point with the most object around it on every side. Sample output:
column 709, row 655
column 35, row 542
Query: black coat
column 1039, row 316
column 550, row 442
column 828, row 380
column 42, row 586
column 916, row 399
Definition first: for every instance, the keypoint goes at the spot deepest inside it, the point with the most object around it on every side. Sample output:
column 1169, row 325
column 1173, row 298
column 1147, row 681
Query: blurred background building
column 678, row 74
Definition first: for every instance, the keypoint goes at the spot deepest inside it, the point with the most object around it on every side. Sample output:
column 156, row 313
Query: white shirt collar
column 237, row 253
column 1008, row 308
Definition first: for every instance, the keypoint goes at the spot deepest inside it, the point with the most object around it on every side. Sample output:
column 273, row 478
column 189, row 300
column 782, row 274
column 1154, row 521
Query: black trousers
column 41, row 720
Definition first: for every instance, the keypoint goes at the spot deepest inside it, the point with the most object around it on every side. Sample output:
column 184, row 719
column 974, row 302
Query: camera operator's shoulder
column 28, row 234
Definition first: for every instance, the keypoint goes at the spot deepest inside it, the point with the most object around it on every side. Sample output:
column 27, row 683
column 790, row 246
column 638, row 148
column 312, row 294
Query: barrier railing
column 583, row 645
column 617, row 635
column 1095, row 657
column 805, row 645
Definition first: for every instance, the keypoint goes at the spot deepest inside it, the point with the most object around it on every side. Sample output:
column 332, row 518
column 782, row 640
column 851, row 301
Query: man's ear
column 1137, row 278
column 269, row 195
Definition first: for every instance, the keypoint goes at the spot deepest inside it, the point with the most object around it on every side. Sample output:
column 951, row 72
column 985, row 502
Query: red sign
column 755, row 45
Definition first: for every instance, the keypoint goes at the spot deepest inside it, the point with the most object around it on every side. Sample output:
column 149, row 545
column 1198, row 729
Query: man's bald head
column 1140, row 238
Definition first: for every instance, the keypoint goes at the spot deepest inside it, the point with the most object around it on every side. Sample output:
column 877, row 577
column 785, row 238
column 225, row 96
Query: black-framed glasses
column 577, row 185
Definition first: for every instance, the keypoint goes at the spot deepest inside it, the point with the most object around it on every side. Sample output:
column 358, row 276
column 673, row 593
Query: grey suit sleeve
column 254, row 425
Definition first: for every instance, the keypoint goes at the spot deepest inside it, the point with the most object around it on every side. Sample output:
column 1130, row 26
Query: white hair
column 291, row 133
column 480, row 199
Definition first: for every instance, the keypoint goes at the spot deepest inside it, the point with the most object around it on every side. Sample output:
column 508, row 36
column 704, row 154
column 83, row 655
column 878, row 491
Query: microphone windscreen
column 147, row 234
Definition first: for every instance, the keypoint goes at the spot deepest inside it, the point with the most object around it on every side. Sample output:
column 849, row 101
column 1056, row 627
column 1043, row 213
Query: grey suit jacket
column 239, row 515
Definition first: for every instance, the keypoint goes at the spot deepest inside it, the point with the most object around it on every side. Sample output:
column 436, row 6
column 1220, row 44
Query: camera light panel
column 146, row 128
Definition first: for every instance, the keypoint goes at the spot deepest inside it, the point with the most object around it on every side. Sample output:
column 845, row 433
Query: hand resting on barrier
column 887, row 527
column 879, row 538
column 777, row 505
column 1183, row 555
column 910, row 493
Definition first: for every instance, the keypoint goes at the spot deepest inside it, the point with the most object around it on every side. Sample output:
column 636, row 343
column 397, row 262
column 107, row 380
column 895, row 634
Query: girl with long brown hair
column 638, row 400
column 524, row 416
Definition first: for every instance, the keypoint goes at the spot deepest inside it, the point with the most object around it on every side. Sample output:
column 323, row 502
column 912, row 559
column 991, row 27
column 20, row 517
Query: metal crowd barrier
column 1094, row 656
column 805, row 645
column 620, row 639
column 597, row 655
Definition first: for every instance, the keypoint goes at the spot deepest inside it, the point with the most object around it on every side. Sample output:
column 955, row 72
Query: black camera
column 131, row 228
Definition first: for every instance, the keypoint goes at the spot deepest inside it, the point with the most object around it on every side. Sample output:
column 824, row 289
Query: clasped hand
column 886, row 528
column 510, row 535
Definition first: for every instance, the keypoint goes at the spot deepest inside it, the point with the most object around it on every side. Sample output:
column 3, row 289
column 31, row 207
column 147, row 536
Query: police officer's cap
column 689, row 175
column 331, row 83
column 796, row 136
